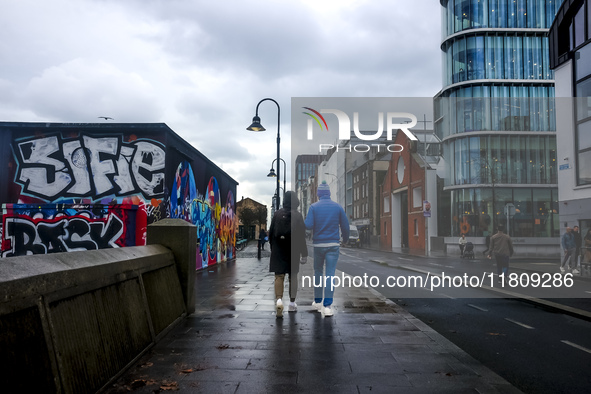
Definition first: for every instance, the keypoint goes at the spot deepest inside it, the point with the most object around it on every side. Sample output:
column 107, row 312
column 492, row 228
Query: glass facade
column 496, row 108
column 502, row 159
column 477, row 212
column 496, row 117
column 496, row 56
column 461, row 15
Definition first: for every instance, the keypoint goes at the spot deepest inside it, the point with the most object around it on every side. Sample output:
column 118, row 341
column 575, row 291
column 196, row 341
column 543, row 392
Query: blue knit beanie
column 323, row 189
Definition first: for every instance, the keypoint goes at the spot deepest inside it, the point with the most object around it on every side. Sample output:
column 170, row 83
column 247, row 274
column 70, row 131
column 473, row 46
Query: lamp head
column 272, row 173
column 256, row 124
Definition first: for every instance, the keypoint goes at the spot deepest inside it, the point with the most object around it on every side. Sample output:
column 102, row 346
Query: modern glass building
column 496, row 118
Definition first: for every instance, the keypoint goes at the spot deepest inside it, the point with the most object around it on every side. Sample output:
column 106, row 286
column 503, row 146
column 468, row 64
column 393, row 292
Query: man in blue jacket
column 324, row 218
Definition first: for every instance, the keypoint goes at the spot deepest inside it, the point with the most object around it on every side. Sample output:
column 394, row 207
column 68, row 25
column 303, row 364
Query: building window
column 416, row 221
column 517, row 159
column 583, row 114
column 477, row 212
column 387, row 204
column 417, row 197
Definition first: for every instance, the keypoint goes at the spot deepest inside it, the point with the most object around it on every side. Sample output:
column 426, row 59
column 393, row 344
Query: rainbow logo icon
column 316, row 118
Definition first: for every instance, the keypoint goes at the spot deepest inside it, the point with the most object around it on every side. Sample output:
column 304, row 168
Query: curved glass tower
column 495, row 116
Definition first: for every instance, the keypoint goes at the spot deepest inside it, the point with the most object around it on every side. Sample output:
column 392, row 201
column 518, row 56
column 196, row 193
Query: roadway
column 541, row 345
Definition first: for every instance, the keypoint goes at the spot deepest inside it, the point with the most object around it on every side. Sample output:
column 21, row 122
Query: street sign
column 510, row 210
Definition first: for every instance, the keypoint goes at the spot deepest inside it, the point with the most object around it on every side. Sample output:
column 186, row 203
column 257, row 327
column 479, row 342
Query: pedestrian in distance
column 501, row 247
column 462, row 242
column 262, row 239
column 578, row 244
column 587, row 240
column 287, row 239
column 567, row 241
column 324, row 218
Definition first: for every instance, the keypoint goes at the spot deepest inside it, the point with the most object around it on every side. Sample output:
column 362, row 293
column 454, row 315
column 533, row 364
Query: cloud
column 201, row 67
column 81, row 90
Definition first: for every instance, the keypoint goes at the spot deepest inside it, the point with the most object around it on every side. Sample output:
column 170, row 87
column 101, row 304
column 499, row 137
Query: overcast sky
column 202, row 66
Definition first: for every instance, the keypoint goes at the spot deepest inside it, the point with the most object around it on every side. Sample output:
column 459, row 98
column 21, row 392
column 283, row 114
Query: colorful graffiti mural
column 216, row 237
column 52, row 228
column 71, row 187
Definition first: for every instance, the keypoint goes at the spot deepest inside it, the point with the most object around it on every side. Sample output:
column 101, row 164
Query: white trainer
column 279, row 308
column 317, row 306
column 293, row 307
column 328, row 310
column 576, row 272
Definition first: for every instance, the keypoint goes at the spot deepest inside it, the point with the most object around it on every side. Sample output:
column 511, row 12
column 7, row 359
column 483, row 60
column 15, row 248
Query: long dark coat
column 285, row 256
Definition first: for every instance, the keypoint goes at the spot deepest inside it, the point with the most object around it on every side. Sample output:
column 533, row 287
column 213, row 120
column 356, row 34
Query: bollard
column 181, row 238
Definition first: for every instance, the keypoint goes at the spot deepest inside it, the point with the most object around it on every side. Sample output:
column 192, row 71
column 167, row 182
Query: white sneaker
column 279, row 308
column 562, row 270
column 576, row 272
column 328, row 311
column 317, row 306
column 293, row 307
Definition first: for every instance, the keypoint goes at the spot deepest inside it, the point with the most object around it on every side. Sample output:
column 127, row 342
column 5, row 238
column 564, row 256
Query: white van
column 354, row 237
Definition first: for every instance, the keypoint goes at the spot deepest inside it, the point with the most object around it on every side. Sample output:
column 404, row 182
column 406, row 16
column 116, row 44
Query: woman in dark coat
column 287, row 239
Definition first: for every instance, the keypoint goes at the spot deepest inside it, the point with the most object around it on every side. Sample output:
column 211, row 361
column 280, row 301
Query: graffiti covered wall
column 90, row 186
column 216, row 229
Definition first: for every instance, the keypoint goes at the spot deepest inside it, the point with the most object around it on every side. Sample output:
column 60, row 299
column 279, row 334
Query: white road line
column 439, row 265
column 519, row 324
column 575, row 345
column 445, row 295
column 477, row 307
column 402, row 258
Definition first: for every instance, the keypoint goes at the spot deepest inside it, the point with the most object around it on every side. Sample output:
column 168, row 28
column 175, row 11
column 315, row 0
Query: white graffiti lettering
column 90, row 167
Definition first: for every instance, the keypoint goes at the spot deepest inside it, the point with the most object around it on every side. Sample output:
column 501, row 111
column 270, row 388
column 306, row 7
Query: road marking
column 477, row 307
column 587, row 291
column 519, row 324
column 403, row 258
column 445, row 295
column 575, row 345
column 439, row 265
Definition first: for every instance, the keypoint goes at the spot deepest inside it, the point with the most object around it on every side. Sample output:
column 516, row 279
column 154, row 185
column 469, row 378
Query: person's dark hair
column 291, row 200
column 501, row 227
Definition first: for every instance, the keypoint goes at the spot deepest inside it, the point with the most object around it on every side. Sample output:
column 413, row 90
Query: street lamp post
column 272, row 173
column 256, row 126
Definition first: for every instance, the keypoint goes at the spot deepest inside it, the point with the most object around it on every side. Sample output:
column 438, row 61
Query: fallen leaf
column 169, row 386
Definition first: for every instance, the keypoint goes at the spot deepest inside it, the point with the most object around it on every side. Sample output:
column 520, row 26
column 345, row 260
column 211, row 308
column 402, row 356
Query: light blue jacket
column 568, row 241
column 324, row 219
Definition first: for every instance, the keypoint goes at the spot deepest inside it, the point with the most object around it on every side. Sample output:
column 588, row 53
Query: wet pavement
column 233, row 343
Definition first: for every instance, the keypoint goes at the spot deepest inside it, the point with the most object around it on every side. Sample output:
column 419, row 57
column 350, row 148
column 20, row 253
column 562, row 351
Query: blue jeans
column 329, row 256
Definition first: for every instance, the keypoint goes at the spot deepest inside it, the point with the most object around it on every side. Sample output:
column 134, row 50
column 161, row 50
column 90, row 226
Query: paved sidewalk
column 234, row 343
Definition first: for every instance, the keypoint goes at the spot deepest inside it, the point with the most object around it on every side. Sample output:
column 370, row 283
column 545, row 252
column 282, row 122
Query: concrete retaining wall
column 71, row 322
